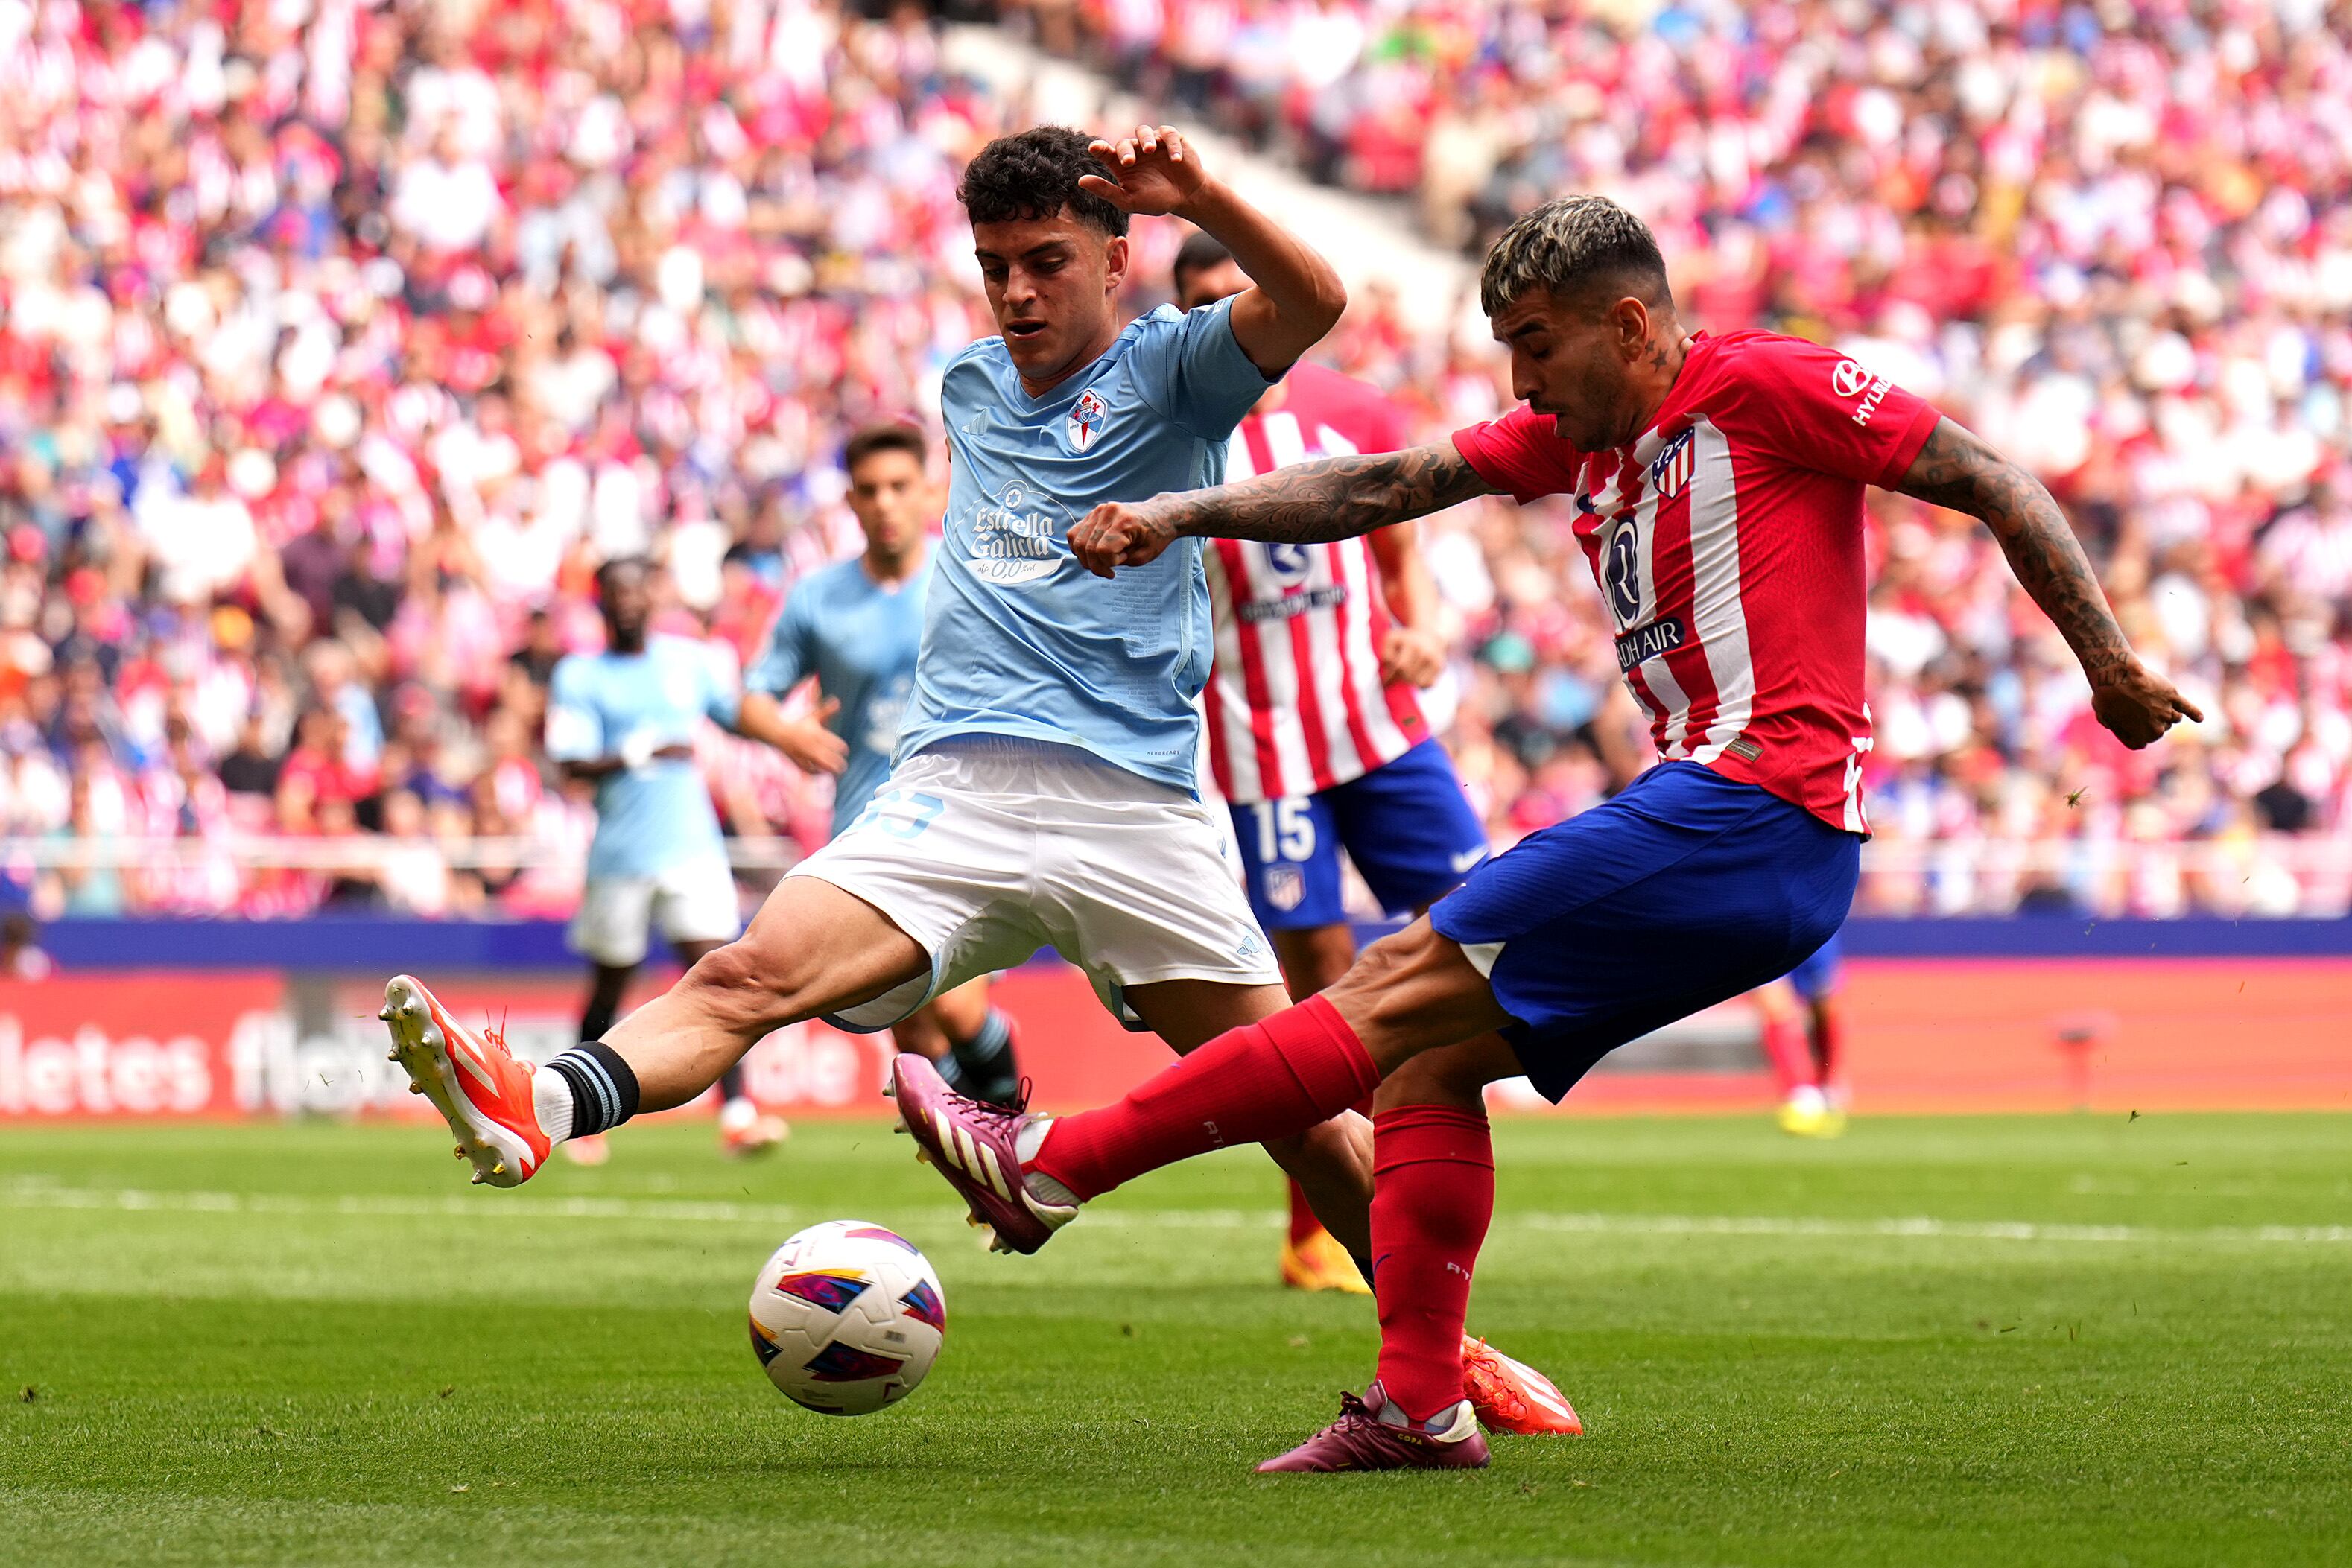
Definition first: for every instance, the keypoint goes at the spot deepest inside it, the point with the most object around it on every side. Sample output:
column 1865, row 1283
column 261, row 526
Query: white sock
column 550, row 1102
column 1043, row 1187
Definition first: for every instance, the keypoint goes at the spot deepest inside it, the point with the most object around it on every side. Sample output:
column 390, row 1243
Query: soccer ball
column 847, row 1317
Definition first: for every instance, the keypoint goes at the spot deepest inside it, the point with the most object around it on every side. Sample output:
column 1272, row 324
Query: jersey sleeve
column 786, row 658
column 1521, row 452
column 575, row 732
column 1817, row 409
column 1198, row 374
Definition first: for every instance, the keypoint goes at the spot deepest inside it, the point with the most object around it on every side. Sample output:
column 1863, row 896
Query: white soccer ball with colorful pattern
column 847, row 1317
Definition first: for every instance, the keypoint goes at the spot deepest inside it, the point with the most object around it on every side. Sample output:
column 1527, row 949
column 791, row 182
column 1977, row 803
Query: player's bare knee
column 1399, row 995
column 1378, row 969
column 746, row 982
column 1434, row 1078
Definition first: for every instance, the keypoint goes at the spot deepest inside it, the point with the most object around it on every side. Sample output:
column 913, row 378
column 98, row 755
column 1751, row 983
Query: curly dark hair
column 1034, row 175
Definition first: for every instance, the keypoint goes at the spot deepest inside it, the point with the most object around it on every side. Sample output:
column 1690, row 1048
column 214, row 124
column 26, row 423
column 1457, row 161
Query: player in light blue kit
column 1042, row 791
column 624, row 719
column 855, row 628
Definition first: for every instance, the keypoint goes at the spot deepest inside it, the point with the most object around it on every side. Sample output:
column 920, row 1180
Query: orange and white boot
column 1512, row 1397
column 476, row 1084
column 1317, row 1261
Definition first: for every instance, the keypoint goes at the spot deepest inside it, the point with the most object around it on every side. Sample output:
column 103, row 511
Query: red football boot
column 1512, row 1397
column 476, row 1084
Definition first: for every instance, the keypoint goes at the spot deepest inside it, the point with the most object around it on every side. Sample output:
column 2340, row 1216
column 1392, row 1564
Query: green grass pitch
column 1964, row 1340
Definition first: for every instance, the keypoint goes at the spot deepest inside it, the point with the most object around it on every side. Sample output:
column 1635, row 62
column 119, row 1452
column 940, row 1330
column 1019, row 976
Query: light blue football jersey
column 1020, row 639
column 859, row 639
column 649, row 818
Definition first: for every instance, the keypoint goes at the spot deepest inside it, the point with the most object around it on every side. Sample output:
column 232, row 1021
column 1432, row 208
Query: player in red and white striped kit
column 1717, row 485
column 1316, row 735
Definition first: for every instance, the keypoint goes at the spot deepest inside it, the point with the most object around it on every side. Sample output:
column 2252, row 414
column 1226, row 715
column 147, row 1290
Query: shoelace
column 1355, row 1415
column 992, row 1115
column 1500, row 1392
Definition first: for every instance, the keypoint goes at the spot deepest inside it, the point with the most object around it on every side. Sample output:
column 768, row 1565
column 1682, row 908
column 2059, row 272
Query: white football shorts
column 692, row 902
column 985, row 850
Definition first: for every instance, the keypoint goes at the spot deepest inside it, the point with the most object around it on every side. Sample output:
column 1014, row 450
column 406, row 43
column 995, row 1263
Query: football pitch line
column 42, row 1192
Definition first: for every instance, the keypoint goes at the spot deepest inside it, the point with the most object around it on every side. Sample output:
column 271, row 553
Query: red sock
column 1785, row 1048
column 1826, row 1044
column 1432, row 1196
column 1266, row 1080
column 1303, row 1223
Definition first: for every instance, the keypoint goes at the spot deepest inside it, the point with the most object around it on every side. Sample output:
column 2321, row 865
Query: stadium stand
column 341, row 341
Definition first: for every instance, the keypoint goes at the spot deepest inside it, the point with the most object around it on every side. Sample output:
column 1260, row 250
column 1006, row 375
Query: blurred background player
column 856, row 627
column 624, row 720
column 1316, row 737
column 1801, row 1038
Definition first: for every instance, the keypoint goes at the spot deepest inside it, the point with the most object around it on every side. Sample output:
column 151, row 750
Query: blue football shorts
column 1684, row 891
column 1817, row 976
column 1406, row 824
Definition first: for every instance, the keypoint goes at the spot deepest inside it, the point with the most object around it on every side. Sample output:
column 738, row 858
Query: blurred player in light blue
column 855, row 628
column 624, row 720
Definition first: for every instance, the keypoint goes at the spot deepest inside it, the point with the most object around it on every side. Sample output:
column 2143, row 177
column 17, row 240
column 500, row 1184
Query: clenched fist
column 1117, row 534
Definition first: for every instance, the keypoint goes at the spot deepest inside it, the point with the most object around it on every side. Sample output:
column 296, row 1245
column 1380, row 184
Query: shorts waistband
column 1060, row 753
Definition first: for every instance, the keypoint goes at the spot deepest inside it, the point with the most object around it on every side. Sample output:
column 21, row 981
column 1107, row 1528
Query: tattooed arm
column 1307, row 503
column 1955, row 469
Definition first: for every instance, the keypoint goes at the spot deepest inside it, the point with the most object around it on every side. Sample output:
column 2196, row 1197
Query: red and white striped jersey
column 1727, row 542
column 1295, row 703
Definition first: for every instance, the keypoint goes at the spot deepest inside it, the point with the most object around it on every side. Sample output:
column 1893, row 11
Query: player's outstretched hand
column 1153, row 171
column 2139, row 705
column 812, row 747
column 1116, row 534
column 1412, row 655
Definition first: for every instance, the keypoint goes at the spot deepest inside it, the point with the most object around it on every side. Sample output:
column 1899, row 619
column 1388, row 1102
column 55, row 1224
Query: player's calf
column 988, row 1063
column 812, row 949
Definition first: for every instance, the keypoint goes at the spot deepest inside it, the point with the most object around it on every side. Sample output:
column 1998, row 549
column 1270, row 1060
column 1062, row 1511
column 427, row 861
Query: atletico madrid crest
column 1670, row 471
column 1088, row 416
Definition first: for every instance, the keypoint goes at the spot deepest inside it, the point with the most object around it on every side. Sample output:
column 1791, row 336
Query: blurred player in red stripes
column 1802, row 1030
column 1316, row 737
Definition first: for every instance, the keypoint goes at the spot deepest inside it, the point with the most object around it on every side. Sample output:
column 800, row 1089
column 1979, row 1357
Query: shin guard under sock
column 1432, row 1198
column 1266, row 1079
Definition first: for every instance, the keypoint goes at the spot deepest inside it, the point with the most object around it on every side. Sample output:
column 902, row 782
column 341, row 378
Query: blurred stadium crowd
column 342, row 341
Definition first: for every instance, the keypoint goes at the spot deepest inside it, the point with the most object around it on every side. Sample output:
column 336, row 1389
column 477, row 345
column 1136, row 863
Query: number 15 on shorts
column 1286, row 829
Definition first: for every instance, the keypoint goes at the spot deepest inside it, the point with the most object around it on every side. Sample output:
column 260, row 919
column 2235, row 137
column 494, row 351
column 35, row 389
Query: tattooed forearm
column 1333, row 498
column 1955, row 469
